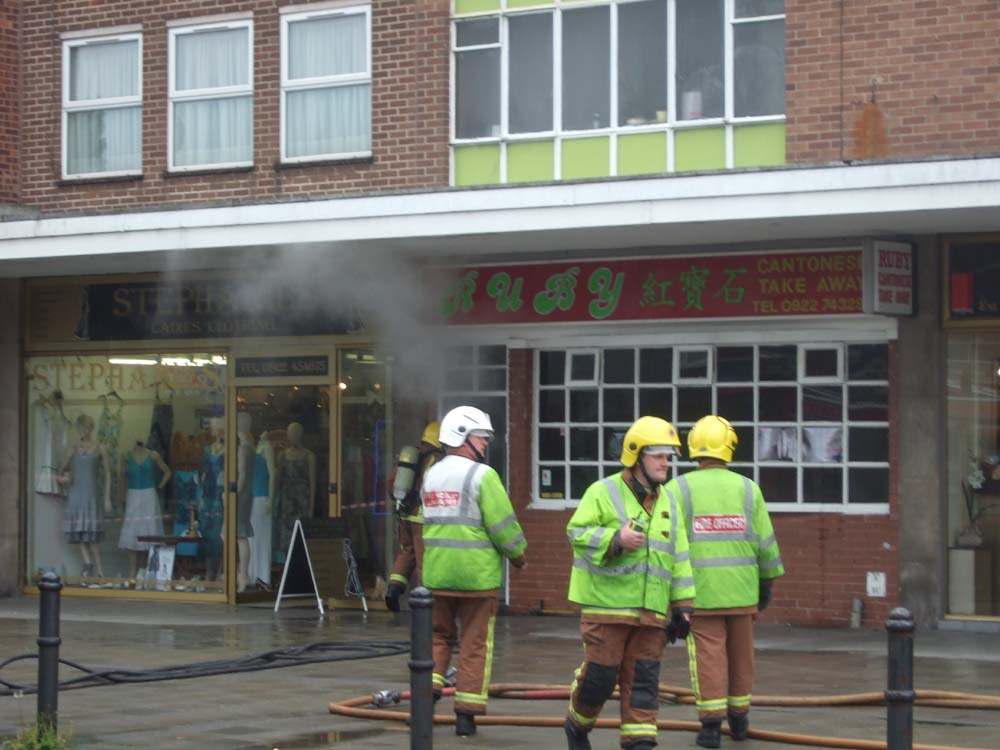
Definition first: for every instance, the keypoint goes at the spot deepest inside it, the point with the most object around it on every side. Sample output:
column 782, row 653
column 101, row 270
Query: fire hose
column 358, row 708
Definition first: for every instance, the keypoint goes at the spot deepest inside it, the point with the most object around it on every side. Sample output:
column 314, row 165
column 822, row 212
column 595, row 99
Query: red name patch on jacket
column 442, row 499
column 716, row 524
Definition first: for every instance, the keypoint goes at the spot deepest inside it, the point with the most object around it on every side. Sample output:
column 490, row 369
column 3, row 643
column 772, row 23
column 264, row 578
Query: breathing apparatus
column 406, row 474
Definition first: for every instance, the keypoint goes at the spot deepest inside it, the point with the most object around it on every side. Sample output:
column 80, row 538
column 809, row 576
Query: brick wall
column 409, row 108
column 8, row 101
column 937, row 67
column 826, row 555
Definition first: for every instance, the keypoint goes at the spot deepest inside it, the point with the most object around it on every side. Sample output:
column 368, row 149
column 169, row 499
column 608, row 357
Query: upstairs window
column 102, row 106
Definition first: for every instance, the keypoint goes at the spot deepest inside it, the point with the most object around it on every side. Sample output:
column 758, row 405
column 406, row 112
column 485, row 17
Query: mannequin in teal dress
column 211, row 511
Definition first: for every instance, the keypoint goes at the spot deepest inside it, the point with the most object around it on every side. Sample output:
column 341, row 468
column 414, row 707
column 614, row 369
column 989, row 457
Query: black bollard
column 899, row 696
column 421, row 669
column 48, row 650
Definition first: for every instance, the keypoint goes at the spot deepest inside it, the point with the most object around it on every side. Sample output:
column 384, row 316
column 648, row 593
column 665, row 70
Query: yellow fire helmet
column 432, row 434
column 712, row 437
column 649, row 432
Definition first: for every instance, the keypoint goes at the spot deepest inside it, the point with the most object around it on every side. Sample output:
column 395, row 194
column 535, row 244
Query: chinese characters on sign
column 726, row 286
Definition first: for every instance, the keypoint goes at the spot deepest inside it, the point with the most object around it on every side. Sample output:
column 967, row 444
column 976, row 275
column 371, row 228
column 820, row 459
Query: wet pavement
column 288, row 708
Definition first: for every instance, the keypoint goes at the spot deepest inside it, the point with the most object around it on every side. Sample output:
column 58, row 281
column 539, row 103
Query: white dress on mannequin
column 260, row 516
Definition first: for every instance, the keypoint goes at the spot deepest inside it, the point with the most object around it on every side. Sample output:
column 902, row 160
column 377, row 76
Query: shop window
column 734, row 364
column 821, row 363
column 477, row 78
column 656, row 364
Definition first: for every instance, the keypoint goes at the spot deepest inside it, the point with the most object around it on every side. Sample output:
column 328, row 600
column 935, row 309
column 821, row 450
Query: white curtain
column 210, row 59
column 327, row 47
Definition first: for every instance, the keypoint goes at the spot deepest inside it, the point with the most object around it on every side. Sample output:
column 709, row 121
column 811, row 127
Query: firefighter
column 735, row 559
column 469, row 527
column 405, row 483
column 632, row 578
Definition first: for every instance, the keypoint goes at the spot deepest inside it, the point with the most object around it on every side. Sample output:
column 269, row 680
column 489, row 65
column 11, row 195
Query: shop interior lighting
column 218, row 359
column 342, row 386
column 132, row 361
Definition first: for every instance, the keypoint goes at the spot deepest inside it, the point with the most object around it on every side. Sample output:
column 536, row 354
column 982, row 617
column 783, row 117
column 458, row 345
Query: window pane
column 868, row 403
column 823, row 404
column 460, row 356
column 493, row 379
column 777, row 444
column 745, row 448
column 759, row 68
column 700, row 71
column 614, row 438
column 868, row 362
column 608, row 469
column 751, row 8
column 477, row 93
column 746, row 471
column 868, row 443
column 734, row 364
column 822, row 485
column 477, row 31
column 822, row 444
column 778, row 362
column 458, row 379
column 619, row 405
column 104, row 70
column 583, row 444
column 493, row 355
column 551, row 406
column 693, row 364
column 693, row 403
column 657, row 402
column 778, row 485
column 619, row 366
column 778, row 404
column 551, row 444
column 586, row 65
column 735, row 404
column 530, row 73
column 552, row 482
column 211, row 59
column 582, row 367
column 329, row 121
column 583, row 406
column 581, row 477
column 642, row 62
column 821, row 363
column 867, row 485
column 108, row 140
column 328, row 46
column 656, row 365
column 552, row 366
column 214, row 131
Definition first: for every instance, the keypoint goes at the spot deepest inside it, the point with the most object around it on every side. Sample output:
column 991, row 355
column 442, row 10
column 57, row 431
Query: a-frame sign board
column 298, row 579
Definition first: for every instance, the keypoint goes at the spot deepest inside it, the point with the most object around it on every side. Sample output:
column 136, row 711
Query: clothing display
column 159, row 440
column 293, row 499
column 83, row 520
column 260, row 519
column 109, row 428
column 210, row 515
column 187, row 494
column 51, row 428
column 142, row 504
column 244, row 498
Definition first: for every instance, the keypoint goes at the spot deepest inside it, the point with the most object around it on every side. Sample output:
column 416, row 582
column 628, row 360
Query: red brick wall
column 826, row 555
column 9, row 100
column 937, row 65
column 409, row 107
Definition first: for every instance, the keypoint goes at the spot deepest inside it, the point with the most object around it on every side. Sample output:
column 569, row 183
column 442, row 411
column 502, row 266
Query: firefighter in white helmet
column 469, row 528
column 735, row 559
column 632, row 578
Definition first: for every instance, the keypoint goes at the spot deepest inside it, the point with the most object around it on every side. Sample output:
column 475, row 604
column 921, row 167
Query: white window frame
column 709, row 353
column 226, row 92
column 119, row 102
column 838, row 377
column 322, row 82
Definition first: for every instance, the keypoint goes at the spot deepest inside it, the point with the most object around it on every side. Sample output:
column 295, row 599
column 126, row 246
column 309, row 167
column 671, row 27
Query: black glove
column 392, row 595
column 763, row 596
column 679, row 626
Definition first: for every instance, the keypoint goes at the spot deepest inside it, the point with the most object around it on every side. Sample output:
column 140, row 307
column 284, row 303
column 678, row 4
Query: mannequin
column 245, row 464
column 260, row 516
column 210, row 513
column 296, row 485
column 83, row 520
column 143, row 516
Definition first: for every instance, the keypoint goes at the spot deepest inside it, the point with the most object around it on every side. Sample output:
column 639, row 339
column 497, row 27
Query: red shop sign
column 676, row 287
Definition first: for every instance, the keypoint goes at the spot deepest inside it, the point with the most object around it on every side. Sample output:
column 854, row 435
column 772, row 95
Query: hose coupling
column 450, row 676
column 385, row 697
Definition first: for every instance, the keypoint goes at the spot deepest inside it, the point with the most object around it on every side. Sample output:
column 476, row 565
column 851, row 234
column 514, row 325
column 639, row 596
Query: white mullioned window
column 326, row 84
column 102, row 106
column 812, row 420
column 211, row 96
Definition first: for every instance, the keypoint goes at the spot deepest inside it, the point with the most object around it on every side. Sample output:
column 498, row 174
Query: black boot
column 577, row 738
column 739, row 725
column 465, row 724
column 710, row 734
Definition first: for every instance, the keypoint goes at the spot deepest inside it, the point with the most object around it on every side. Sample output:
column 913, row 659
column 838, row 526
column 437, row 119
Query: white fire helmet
column 463, row 421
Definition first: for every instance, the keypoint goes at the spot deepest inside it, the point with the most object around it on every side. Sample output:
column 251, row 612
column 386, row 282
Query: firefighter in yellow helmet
column 735, row 559
column 632, row 579
column 405, row 482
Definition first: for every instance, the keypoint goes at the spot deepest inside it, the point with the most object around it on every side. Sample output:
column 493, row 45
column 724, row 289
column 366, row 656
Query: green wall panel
column 475, row 6
column 699, row 149
column 759, row 145
column 531, row 162
column 586, row 157
column 642, row 153
column 477, row 165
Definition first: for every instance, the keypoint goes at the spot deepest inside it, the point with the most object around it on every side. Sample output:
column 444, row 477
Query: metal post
column 421, row 668
column 899, row 696
column 48, row 650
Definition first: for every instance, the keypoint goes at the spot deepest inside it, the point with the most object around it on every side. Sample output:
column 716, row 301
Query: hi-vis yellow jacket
column 469, row 526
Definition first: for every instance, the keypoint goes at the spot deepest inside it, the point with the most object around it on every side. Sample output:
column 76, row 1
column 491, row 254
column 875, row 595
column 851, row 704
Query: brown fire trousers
column 476, row 613
column 720, row 653
column 410, row 558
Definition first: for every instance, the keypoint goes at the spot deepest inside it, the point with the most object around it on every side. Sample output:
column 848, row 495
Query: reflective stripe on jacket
column 469, row 526
column 650, row 577
column 731, row 537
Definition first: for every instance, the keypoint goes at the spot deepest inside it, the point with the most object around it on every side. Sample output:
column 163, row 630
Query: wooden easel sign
column 298, row 579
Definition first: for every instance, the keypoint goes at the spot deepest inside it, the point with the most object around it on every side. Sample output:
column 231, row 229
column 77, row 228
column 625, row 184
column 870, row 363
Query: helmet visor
column 659, row 450
column 488, row 434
